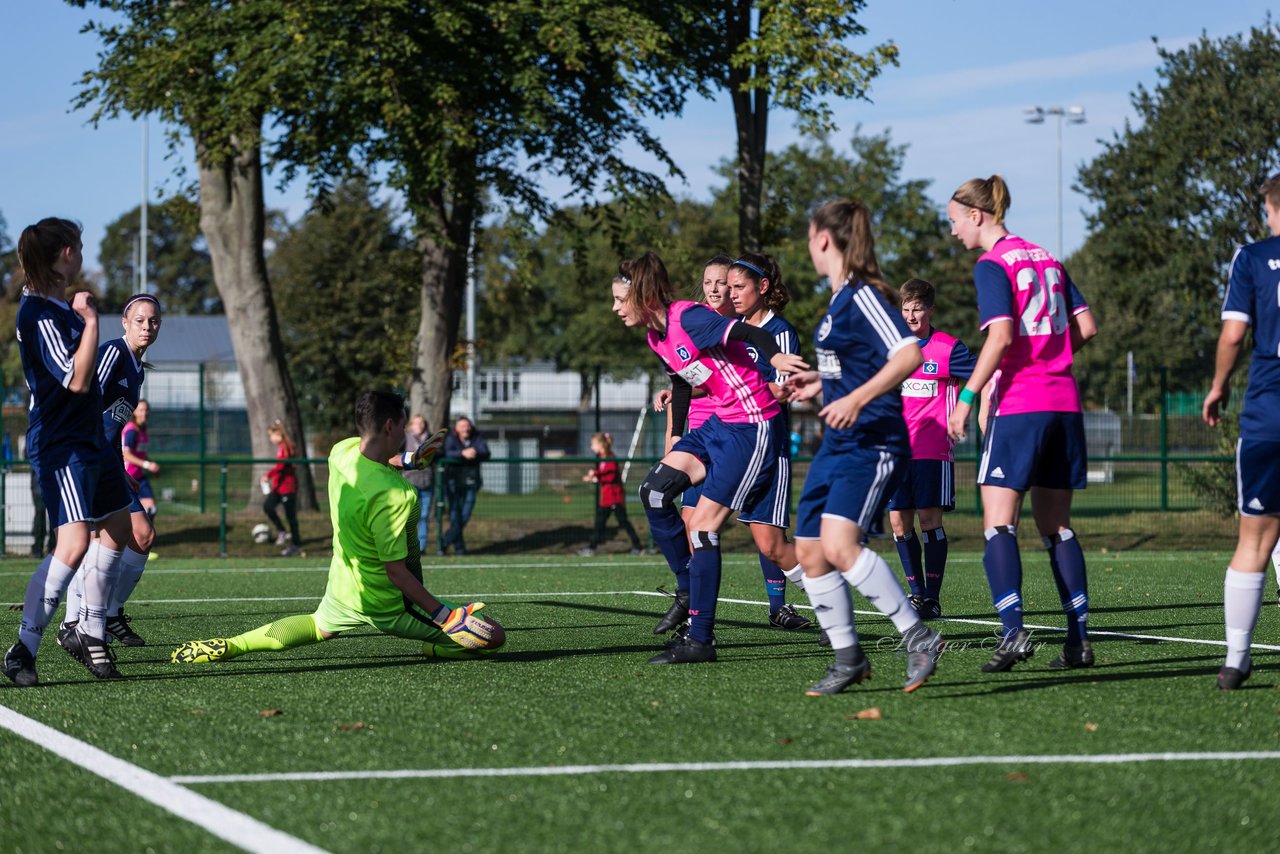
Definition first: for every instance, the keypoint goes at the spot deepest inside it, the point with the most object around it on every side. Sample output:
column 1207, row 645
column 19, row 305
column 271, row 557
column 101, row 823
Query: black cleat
column 924, row 648
column 679, row 636
column 823, row 640
column 118, row 627
column 1074, row 655
column 686, row 651
column 930, row 609
column 676, row 614
column 1229, row 679
column 1010, row 652
column 915, row 600
column 20, row 666
column 68, row 639
column 98, row 658
column 841, row 676
column 787, row 617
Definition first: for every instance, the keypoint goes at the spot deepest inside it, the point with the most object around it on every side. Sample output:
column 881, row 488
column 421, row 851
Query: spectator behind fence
column 464, row 449
column 612, row 497
column 281, row 486
column 422, row 480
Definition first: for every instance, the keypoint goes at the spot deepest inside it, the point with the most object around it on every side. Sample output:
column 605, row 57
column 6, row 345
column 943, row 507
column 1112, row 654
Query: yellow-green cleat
column 199, row 651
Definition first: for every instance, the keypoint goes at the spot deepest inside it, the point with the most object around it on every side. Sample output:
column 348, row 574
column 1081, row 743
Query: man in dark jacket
column 464, row 450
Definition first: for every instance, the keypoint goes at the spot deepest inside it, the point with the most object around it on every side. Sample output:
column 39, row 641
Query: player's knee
column 144, row 539
column 704, row 540
column 662, row 486
column 1062, row 536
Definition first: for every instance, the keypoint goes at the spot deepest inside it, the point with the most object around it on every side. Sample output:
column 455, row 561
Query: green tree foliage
column 339, row 278
column 178, row 264
column 1176, row 193
column 546, row 292
column 784, row 53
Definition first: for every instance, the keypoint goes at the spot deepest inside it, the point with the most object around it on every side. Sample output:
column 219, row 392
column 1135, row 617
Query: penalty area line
column 686, row 767
column 217, row 819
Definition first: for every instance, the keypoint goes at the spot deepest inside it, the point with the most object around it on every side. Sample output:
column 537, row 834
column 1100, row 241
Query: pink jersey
column 724, row 368
column 1035, row 373
column 929, row 395
column 134, row 438
column 700, row 409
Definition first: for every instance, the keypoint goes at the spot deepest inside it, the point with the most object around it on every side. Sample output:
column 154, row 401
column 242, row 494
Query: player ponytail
column 38, row 249
column 990, row 195
column 649, row 286
column 763, row 268
column 849, row 224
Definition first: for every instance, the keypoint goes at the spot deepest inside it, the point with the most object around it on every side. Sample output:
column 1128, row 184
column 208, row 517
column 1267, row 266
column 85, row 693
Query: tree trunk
column 444, row 241
column 232, row 218
column 751, row 118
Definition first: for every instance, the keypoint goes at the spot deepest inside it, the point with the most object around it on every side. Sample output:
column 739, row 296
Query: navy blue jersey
column 787, row 339
column 1253, row 296
column 60, row 421
column 856, row 338
column 120, row 377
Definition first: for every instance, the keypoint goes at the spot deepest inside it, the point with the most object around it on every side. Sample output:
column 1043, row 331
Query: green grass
column 572, row 688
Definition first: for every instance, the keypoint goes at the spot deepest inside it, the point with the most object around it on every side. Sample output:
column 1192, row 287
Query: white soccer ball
column 262, row 533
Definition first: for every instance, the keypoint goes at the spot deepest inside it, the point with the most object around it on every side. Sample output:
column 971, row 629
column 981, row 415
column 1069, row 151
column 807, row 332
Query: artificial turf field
column 566, row 740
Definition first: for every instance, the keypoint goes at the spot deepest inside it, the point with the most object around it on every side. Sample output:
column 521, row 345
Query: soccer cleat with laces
column 118, row 627
column 453, row 651
column 924, row 648
column 678, row 637
column 823, row 640
column 914, row 600
column 787, row 617
column 1074, row 655
column 841, row 676
column 676, row 614
column 69, row 639
column 199, row 651
column 1010, row 651
column 20, row 666
column 930, row 609
column 96, row 656
column 686, row 650
column 1229, row 678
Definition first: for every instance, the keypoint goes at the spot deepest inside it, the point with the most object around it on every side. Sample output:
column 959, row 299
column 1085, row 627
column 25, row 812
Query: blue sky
column 968, row 70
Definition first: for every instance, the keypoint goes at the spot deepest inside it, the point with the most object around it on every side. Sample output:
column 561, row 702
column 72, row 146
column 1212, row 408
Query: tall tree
column 339, row 279
column 178, row 265
column 215, row 71
column 482, row 96
column 792, row 54
column 1176, row 192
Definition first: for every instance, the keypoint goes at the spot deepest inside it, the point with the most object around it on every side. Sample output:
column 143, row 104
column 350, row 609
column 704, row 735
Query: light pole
column 1074, row 116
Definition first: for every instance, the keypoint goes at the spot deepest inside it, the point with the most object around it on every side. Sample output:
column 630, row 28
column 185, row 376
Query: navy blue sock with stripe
column 775, row 584
column 909, row 553
column 1004, row 575
column 704, row 584
column 1066, row 559
column 935, row 561
column 665, row 523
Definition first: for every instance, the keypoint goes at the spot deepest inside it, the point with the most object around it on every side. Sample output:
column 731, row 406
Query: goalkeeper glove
column 425, row 453
column 462, row 628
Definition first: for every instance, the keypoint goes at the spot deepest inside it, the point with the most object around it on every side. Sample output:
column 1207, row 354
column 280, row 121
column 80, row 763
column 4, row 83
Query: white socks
column 873, row 578
column 99, row 569
column 829, row 597
column 1241, row 601
column 795, row 575
column 131, row 565
column 44, row 592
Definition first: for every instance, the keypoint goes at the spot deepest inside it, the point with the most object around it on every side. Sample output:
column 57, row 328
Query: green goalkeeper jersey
column 374, row 512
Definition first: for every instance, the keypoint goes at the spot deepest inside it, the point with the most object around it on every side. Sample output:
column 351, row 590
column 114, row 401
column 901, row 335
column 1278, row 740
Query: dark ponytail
column 38, row 250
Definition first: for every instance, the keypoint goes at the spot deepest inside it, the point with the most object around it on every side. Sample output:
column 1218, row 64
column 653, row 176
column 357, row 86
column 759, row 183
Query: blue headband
column 752, row 267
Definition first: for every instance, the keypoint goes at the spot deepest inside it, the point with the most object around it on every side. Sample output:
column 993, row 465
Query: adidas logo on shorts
column 997, row 472
column 1255, row 504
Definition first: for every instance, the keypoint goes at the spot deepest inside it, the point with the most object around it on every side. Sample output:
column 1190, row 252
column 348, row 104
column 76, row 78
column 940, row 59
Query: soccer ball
column 261, row 533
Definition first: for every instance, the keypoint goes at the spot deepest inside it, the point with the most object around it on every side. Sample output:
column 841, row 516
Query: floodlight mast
column 1074, row 115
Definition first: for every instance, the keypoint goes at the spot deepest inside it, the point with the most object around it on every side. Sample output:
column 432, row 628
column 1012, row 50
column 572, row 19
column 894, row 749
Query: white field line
column 686, row 767
column 994, row 623
column 215, row 818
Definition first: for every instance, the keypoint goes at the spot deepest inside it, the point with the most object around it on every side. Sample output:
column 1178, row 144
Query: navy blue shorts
column 927, row 483
column 741, row 459
column 1035, row 449
column 82, row 486
column 144, row 491
column 774, row 507
column 1258, row 477
column 689, row 498
column 853, row 484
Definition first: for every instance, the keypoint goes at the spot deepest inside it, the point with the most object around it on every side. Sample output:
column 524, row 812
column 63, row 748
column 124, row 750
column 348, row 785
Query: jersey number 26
column 1046, row 312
